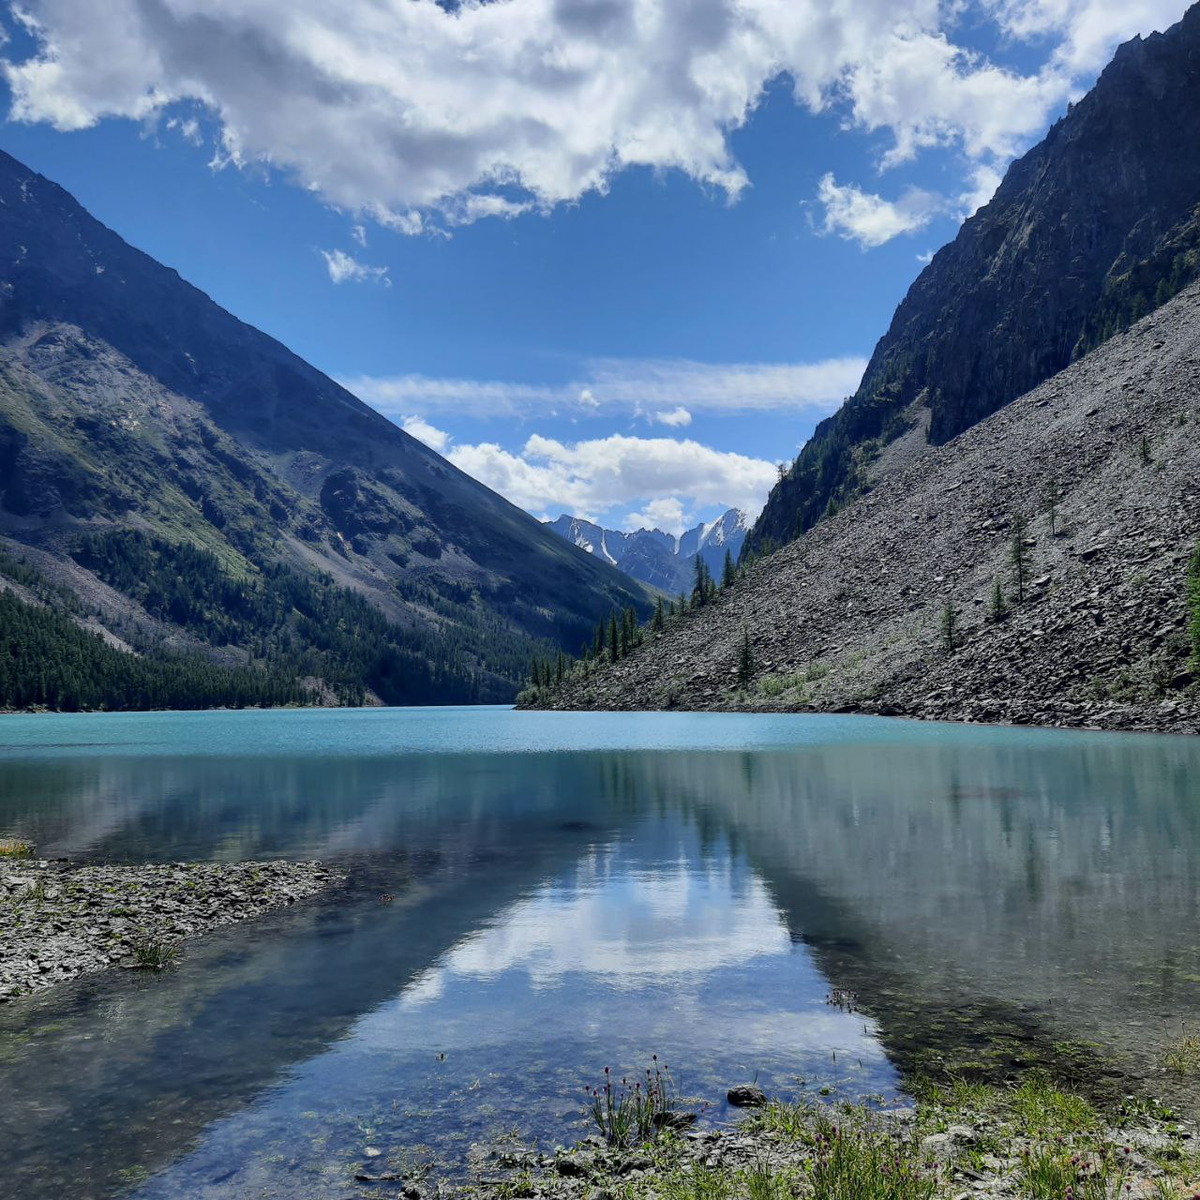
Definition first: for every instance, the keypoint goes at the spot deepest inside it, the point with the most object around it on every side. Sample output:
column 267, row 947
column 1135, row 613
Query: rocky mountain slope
column 129, row 401
column 656, row 558
column 1103, row 463
column 1094, row 227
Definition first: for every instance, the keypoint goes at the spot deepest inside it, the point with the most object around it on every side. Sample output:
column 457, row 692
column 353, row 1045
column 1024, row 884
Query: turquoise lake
column 570, row 891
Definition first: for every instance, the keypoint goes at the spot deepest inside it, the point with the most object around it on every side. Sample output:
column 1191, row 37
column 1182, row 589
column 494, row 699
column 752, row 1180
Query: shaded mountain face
column 657, row 558
column 1094, row 227
column 129, row 400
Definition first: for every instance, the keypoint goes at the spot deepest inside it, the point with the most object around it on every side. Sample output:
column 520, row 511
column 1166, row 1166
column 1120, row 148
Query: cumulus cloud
column 591, row 477
column 672, row 388
column 427, row 115
column 667, row 514
column 345, row 268
column 676, row 418
column 871, row 220
column 435, row 439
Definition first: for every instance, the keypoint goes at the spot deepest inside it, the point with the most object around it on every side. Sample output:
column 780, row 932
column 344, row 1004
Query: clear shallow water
column 570, row 891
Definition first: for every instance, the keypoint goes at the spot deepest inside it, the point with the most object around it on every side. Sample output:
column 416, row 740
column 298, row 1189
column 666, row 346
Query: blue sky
column 614, row 257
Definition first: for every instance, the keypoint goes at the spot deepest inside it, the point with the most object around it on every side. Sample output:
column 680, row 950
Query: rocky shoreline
column 59, row 920
column 957, row 1142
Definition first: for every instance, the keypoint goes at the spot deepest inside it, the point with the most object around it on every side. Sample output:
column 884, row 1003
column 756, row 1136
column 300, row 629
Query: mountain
column 1094, row 227
column 182, row 484
column 1095, row 475
column 656, row 558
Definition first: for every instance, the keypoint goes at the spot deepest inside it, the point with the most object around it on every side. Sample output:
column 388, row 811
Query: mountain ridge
column 651, row 556
column 1090, row 229
column 130, row 400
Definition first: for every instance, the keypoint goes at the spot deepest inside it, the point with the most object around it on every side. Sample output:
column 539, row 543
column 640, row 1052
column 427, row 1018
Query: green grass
column 1184, row 1057
column 153, row 954
column 1052, row 1171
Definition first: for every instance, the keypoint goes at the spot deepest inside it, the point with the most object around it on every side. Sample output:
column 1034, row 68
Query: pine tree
column 658, row 620
column 703, row 582
column 1194, row 608
column 614, row 638
column 1019, row 554
column 598, row 642
column 560, row 666
column 728, row 573
column 746, row 667
column 1052, row 508
column 999, row 608
column 950, row 627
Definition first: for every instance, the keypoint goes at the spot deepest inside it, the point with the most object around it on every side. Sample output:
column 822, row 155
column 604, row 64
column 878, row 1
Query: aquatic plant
column 15, row 848
column 627, row 1113
column 153, row 954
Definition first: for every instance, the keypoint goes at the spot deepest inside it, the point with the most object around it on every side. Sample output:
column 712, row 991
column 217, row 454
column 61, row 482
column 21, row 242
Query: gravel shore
column 1027, row 1141
column 59, row 920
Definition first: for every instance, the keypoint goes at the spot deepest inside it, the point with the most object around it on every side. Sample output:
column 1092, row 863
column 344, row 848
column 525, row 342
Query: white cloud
column 666, row 513
column 925, row 257
column 359, row 234
column 676, row 418
column 344, row 268
column 426, row 116
column 435, row 439
column 587, row 478
column 664, row 386
column 984, row 181
column 188, row 128
column 871, row 220
column 1085, row 30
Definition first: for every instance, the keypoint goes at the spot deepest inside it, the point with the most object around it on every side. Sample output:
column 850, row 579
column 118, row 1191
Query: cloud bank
column 669, row 391
column 666, row 477
column 417, row 113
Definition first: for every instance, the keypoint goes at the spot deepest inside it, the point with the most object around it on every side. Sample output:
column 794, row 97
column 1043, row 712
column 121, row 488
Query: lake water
column 571, row 891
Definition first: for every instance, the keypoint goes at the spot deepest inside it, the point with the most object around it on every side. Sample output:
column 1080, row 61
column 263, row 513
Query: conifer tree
column 728, row 572
column 614, row 638
column 700, row 585
column 1052, row 508
column 657, row 621
column 999, row 607
column 1194, row 608
column 950, row 627
column 1019, row 554
column 746, row 667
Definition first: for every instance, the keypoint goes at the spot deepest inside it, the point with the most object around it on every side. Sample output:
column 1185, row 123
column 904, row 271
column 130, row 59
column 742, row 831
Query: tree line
column 620, row 634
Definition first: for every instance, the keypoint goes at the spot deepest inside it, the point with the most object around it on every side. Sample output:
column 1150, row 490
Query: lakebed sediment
column 60, row 919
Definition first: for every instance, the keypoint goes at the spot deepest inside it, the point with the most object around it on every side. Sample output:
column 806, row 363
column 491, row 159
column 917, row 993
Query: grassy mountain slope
column 1102, row 462
column 1094, row 227
column 130, row 401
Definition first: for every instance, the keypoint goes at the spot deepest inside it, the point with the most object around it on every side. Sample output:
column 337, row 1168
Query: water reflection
column 557, row 908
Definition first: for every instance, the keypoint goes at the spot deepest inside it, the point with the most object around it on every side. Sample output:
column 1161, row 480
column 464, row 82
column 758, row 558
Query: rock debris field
column 59, row 920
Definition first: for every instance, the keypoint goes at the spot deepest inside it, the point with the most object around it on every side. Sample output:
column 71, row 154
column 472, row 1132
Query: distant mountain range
column 1096, row 226
column 659, row 559
column 190, row 490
